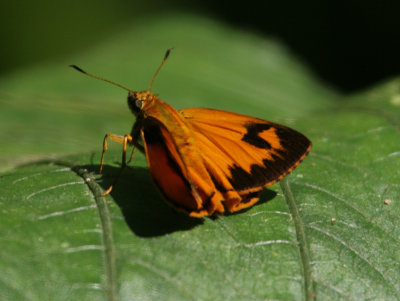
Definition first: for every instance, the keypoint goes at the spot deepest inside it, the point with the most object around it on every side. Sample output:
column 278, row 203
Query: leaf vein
column 165, row 276
column 308, row 289
column 59, row 213
column 358, row 254
column 53, row 187
column 106, row 229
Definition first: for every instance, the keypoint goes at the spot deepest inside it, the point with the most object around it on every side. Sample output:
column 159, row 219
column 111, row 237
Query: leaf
column 325, row 231
column 353, row 176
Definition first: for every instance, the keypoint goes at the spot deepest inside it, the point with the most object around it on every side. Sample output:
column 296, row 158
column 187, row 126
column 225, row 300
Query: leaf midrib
column 107, row 233
column 304, row 253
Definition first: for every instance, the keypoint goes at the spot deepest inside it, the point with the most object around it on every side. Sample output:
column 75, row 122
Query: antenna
column 101, row 78
column 158, row 70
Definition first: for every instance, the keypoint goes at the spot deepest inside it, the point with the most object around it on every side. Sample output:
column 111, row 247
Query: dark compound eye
column 134, row 103
column 139, row 104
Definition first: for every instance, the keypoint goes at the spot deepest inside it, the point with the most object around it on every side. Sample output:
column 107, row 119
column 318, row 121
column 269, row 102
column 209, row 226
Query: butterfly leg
column 124, row 140
column 132, row 154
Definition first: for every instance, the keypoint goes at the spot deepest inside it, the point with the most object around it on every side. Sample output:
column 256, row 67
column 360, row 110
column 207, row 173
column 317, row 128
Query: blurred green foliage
column 36, row 31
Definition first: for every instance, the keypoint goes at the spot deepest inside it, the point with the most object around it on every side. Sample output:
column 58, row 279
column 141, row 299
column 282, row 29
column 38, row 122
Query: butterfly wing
column 243, row 153
column 205, row 161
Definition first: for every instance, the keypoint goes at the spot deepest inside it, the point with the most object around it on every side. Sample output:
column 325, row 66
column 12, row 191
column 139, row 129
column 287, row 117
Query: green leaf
column 329, row 231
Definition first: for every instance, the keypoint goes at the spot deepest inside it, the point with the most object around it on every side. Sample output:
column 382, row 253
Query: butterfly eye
column 138, row 104
column 134, row 103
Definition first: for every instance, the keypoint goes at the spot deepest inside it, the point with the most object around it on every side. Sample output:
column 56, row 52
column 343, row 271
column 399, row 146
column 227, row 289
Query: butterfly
column 206, row 161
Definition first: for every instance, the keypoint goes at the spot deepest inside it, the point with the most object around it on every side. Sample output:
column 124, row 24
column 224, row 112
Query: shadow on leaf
column 142, row 206
column 144, row 209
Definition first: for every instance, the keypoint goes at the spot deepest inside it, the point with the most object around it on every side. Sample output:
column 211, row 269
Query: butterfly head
column 137, row 100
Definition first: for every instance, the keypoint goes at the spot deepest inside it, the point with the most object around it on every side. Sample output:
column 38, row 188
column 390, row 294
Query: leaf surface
column 329, row 230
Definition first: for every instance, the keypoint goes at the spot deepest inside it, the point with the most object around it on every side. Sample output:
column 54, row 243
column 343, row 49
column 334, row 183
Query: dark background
column 350, row 44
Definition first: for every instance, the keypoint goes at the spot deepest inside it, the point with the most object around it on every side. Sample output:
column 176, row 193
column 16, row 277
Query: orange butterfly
column 207, row 161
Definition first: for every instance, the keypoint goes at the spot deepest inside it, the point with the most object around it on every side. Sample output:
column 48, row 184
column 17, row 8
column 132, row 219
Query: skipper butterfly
column 206, row 161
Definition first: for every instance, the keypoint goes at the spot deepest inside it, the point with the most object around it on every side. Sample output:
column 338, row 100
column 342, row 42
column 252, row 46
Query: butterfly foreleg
column 135, row 134
column 116, row 138
column 124, row 140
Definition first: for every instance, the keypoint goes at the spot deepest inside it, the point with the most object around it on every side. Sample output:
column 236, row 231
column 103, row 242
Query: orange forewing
column 205, row 161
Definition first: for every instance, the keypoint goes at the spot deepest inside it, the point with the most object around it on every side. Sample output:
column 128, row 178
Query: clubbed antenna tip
column 77, row 68
column 158, row 70
column 100, row 78
column 168, row 52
